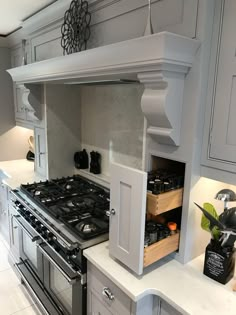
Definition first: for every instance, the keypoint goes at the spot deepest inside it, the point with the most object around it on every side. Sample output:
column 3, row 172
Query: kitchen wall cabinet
column 25, row 113
column 57, row 139
column 112, row 21
column 46, row 45
column 219, row 150
column 40, row 151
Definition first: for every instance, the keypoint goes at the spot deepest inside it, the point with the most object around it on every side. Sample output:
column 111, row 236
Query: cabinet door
column 4, row 220
column 96, row 307
column 40, row 151
column 167, row 309
column 222, row 145
column 16, row 61
column 14, row 234
column 127, row 224
column 19, row 107
column 104, row 297
column 47, row 45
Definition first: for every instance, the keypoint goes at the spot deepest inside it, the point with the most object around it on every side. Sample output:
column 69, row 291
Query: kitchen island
column 182, row 286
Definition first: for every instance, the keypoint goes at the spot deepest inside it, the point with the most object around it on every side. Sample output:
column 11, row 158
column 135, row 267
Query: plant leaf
column 205, row 223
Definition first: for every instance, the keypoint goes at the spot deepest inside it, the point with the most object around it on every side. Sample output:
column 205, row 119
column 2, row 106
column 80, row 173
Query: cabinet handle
column 108, row 294
column 42, row 153
column 110, row 212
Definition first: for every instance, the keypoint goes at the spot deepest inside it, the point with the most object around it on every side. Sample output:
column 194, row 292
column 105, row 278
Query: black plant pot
column 219, row 262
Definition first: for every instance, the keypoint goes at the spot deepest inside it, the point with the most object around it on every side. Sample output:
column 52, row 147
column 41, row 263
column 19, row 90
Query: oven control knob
column 49, row 236
column 19, row 206
column 43, row 228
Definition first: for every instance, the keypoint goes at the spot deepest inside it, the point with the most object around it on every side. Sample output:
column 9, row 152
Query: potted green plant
column 219, row 261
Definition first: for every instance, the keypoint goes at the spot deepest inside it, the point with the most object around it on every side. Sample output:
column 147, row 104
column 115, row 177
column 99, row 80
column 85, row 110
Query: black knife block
column 219, row 262
column 81, row 159
column 95, row 162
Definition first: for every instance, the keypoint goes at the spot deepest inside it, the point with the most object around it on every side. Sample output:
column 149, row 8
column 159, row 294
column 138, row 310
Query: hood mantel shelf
column 158, row 61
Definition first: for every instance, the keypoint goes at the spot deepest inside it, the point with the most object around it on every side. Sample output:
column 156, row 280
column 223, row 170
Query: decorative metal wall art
column 75, row 30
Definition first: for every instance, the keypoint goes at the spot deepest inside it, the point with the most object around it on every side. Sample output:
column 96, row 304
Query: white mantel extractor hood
column 160, row 62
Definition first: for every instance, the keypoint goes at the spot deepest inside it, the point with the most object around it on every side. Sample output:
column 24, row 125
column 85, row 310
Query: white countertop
column 19, row 172
column 183, row 286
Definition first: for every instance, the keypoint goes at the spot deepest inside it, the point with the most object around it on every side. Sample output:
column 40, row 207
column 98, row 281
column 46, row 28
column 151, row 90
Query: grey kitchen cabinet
column 56, row 140
column 40, row 151
column 106, row 298
column 25, row 114
column 4, row 215
column 126, row 233
column 166, row 309
column 16, row 61
column 46, row 45
column 103, row 296
column 14, row 234
column 219, row 148
column 111, row 21
column 130, row 205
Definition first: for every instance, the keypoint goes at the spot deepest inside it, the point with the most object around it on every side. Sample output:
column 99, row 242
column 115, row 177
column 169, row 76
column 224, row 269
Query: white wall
column 13, row 140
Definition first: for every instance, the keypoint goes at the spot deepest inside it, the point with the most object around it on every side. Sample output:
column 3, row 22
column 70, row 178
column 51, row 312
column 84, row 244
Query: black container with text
column 219, row 262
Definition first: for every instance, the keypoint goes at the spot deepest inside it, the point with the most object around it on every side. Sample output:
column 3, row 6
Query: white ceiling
column 13, row 12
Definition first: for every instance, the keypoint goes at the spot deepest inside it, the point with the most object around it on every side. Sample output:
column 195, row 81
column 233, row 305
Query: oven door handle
column 52, row 261
column 33, row 238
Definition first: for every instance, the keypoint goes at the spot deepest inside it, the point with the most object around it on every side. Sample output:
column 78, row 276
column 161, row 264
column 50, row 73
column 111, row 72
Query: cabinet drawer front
column 120, row 304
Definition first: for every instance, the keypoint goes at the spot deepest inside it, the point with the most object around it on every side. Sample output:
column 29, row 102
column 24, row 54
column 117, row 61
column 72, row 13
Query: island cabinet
column 219, row 151
column 132, row 206
column 14, row 235
column 106, row 298
column 4, row 215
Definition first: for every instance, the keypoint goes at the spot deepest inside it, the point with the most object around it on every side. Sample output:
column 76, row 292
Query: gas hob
column 78, row 203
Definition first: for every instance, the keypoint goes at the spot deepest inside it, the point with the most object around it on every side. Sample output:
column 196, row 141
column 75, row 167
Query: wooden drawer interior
column 163, row 208
column 161, row 249
column 157, row 204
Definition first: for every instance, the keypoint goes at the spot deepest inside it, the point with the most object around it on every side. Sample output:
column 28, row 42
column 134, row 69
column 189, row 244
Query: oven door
column 64, row 285
column 29, row 253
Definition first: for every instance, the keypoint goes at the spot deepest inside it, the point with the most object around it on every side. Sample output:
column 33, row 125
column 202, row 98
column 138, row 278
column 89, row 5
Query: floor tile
column 14, row 300
column 8, row 280
column 4, row 264
column 31, row 310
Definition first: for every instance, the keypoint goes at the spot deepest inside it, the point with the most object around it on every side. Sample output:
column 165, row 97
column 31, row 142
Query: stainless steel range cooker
column 57, row 220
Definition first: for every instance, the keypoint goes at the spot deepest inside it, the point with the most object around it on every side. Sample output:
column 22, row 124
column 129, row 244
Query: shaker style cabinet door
column 4, row 219
column 14, row 234
column 40, row 151
column 127, row 215
column 222, row 144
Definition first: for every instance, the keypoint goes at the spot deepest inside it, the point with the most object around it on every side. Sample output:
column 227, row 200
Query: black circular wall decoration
column 75, row 30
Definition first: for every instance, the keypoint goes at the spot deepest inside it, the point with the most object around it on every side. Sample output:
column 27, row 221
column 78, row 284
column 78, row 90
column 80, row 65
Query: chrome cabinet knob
column 110, row 212
column 108, row 294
